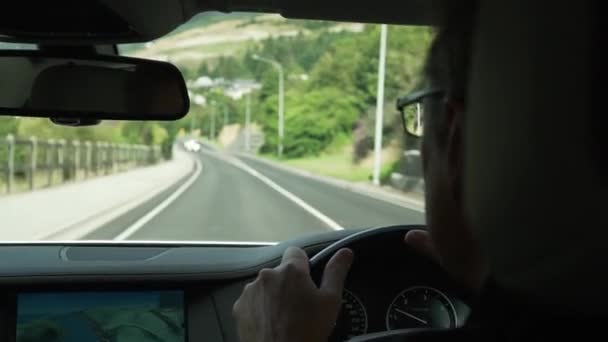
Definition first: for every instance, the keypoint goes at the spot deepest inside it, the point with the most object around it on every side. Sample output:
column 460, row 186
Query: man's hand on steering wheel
column 284, row 304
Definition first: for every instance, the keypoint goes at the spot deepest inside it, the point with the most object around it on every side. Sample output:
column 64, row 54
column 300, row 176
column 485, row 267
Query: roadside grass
column 336, row 165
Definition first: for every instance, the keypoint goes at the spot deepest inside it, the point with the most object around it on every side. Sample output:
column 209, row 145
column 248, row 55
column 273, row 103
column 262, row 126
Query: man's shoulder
column 503, row 315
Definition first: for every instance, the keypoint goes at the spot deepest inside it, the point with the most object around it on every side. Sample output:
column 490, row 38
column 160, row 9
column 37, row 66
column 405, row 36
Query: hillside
column 211, row 35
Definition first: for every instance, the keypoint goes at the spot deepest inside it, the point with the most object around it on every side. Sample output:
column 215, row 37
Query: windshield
column 292, row 130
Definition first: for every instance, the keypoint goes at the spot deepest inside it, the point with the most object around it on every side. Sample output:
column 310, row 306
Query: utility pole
column 380, row 106
column 200, row 101
column 225, row 116
column 212, row 128
column 248, row 122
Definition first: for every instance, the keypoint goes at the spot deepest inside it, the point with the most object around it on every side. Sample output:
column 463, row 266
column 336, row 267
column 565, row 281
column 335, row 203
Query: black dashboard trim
column 219, row 321
column 134, row 272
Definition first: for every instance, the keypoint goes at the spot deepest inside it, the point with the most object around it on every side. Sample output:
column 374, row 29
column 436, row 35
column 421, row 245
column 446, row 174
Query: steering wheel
column 390, row 234
column 371, row 246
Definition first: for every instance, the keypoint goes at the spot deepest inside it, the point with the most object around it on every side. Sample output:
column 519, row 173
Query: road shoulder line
column 80, row 228
column 394, row 199
column 161, row 206
column 295, row 199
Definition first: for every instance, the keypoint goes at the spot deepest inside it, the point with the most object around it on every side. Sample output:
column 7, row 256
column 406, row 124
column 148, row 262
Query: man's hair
column 449, row 57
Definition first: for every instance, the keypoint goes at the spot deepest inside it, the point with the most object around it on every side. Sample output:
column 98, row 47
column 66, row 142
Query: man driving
column 283, row 304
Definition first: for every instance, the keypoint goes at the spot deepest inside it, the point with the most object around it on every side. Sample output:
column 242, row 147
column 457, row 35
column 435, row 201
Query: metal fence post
column 137, row 154
column 89, row 150
column 142, row 155
column 108, row 158
column 110, row 151
column 61, row 159
column 103, row 153
column 147, row 150
column 10, row 176
column 102, row 159
column 98, row 157
column 122, row 157
column 50, row 160
column 33, row 161
column 132, row 156
column 114, row 148
column 76, row 145
column 154, row 154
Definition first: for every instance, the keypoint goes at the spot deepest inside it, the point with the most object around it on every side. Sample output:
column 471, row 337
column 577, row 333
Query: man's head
column 447, row 69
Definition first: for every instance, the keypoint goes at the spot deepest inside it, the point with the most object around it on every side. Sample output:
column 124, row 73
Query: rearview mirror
column 90, row 88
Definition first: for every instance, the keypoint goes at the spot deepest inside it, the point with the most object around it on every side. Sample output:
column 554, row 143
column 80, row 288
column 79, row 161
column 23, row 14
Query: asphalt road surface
column 247, row 200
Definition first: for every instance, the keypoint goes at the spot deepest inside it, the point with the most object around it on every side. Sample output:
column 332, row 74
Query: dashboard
column 185, row 292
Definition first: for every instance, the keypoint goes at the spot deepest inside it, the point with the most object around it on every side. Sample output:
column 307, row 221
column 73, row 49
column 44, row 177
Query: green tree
column 144, row 132
column 109, row 131
column 312, row 122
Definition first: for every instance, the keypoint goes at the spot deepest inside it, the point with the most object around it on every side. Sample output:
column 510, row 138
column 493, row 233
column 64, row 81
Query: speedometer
column 421, row 307
column 352, row 320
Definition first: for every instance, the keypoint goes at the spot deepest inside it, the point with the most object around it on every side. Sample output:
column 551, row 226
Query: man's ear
column 455, row 147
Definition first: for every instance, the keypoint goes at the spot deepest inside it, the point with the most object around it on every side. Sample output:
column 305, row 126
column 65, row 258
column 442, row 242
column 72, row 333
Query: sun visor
column 93, row 22
column 535, row 192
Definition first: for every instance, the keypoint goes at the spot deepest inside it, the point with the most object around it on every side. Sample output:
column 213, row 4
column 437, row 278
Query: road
column 247, row 200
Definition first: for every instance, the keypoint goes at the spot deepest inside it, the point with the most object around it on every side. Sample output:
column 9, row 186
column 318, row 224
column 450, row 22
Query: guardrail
column 29, row 164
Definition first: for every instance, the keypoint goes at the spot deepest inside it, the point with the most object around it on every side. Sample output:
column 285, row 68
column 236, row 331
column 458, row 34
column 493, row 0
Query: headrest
column 536, row 184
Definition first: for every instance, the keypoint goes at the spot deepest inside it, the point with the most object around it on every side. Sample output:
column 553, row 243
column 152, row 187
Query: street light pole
column 192, row 124
column 380, row 106
column 281, row 110
column 281, row 126
column 248, row 123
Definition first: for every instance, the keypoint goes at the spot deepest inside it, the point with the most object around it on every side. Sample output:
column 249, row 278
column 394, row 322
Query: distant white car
column 192, row 146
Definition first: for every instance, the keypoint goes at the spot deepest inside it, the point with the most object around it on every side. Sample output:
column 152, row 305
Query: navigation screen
column 101, row 316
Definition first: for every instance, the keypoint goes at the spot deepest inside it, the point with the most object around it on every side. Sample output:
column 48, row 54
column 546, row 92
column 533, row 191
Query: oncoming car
column 192, row 146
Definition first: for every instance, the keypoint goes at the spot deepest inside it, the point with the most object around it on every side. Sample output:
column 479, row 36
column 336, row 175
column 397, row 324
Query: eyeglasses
column 412, row 110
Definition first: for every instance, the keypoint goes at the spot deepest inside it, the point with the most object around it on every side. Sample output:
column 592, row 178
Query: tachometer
column 352, row 320
column 421, row 307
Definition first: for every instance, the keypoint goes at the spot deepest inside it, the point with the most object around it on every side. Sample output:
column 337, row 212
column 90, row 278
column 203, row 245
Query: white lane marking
column 393, row 199
column 162, row 206
column 310, row 209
